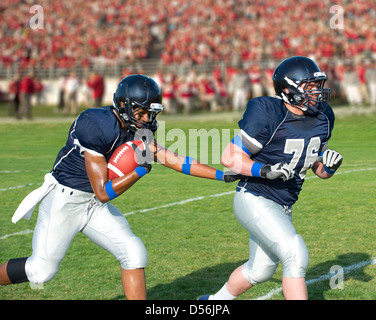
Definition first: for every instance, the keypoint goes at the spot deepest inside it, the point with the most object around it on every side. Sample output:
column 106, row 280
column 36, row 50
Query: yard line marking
column 217, row 195
column 179, row 203
column 27, row 231
column 10, row 171
column 18, row 187
column 328, row 276
column 21, row 171
column 183, row 201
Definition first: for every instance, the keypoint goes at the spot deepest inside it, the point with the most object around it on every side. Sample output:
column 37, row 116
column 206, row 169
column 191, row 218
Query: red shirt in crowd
column 27, row 85
column 96, row 83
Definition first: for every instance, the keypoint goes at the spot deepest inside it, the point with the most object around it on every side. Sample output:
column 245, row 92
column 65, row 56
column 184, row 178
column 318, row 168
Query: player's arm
column 96, row 168
column 327, row 163
column 237, row 157
column 188, row 165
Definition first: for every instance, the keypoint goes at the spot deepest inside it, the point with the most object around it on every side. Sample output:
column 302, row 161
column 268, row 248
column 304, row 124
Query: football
column 123, row 160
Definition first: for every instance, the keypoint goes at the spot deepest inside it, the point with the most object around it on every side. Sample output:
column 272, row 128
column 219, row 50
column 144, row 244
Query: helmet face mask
column 299, row 82
column 138, row 93
column 308, row 95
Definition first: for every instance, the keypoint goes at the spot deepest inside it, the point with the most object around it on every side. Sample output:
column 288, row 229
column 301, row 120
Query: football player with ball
column 76, row 194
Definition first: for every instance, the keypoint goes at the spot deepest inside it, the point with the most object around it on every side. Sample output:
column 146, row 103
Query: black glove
column 275, row 171
column 230, row 176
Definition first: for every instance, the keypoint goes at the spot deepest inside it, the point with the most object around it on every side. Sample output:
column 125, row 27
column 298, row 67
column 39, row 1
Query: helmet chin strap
column 296, row 105
column 304, row 109
column 123, row 117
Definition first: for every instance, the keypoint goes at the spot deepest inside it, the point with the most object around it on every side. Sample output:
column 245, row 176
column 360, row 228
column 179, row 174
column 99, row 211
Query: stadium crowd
column 222, row 30
column 234, row 31
column 241, row 35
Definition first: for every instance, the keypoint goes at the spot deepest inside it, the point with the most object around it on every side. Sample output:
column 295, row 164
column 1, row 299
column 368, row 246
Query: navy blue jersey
column 96, row 130
column 282, row 136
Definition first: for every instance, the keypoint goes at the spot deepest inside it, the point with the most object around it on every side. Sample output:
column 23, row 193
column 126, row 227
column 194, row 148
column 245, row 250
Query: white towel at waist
column 27, row 206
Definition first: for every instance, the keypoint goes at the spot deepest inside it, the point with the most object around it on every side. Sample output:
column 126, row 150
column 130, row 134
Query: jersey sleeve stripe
column 238, row 142
column 250, row 139
column 82, row 149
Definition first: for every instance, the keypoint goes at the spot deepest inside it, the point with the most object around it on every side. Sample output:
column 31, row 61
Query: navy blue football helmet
column 291, row 74
column 138, row 92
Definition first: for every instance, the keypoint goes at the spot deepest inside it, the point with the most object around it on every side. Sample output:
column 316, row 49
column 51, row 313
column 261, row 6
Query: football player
column 280, row 138
column 76, row 194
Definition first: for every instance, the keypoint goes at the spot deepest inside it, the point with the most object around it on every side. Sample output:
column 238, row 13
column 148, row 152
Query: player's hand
column 331, row 159
column 229, row 176
column 275, row 171
column 144, row 157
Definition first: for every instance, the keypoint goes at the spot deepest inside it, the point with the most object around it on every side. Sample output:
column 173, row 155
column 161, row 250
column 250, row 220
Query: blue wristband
column 328, row 170
column 186, row 167
column 255, row 170
column 219, row 175
column 110, row 191
column 141, row 171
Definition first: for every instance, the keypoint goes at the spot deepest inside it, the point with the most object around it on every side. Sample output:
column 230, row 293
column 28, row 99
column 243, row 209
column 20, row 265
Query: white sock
column 222, row 294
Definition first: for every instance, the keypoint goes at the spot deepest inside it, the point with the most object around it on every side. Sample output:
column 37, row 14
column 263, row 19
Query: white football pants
column 62, row 214
column 272, row 238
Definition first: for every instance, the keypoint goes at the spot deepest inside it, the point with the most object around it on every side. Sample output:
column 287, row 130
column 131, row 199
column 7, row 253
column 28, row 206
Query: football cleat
column 204, row 297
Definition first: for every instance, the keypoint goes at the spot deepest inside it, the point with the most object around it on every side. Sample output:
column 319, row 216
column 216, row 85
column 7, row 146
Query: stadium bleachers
column 112, row 32
column 111, row 36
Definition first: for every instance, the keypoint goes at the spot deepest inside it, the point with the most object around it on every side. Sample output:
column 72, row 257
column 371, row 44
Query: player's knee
column 295, row 262
column 39, row 271
column 134, row 255
column 258, row 274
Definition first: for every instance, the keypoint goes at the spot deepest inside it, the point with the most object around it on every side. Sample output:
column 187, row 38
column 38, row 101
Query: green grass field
column 194, row 246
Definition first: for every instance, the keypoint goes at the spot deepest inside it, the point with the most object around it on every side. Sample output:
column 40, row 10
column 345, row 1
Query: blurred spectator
column 27, row 89
column 267, row 80
column 96, row 84
column 221, row 89
column 351, row 85
column 371, row 81
column 39, row 91
column 14, row 96
column 207, row 93
column 240, row 85
column 61, row 93
column 168, row 93
column 339, row 87
column 363, row 91
column 72, row 85
column 254, row 75
column 186, row 94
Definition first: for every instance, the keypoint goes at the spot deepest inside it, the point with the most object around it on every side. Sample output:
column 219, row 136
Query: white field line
column 179, row 202
column 27, row 231
column 173, row 203
column 18, row 187
column 219, row 195
column 328, row 276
